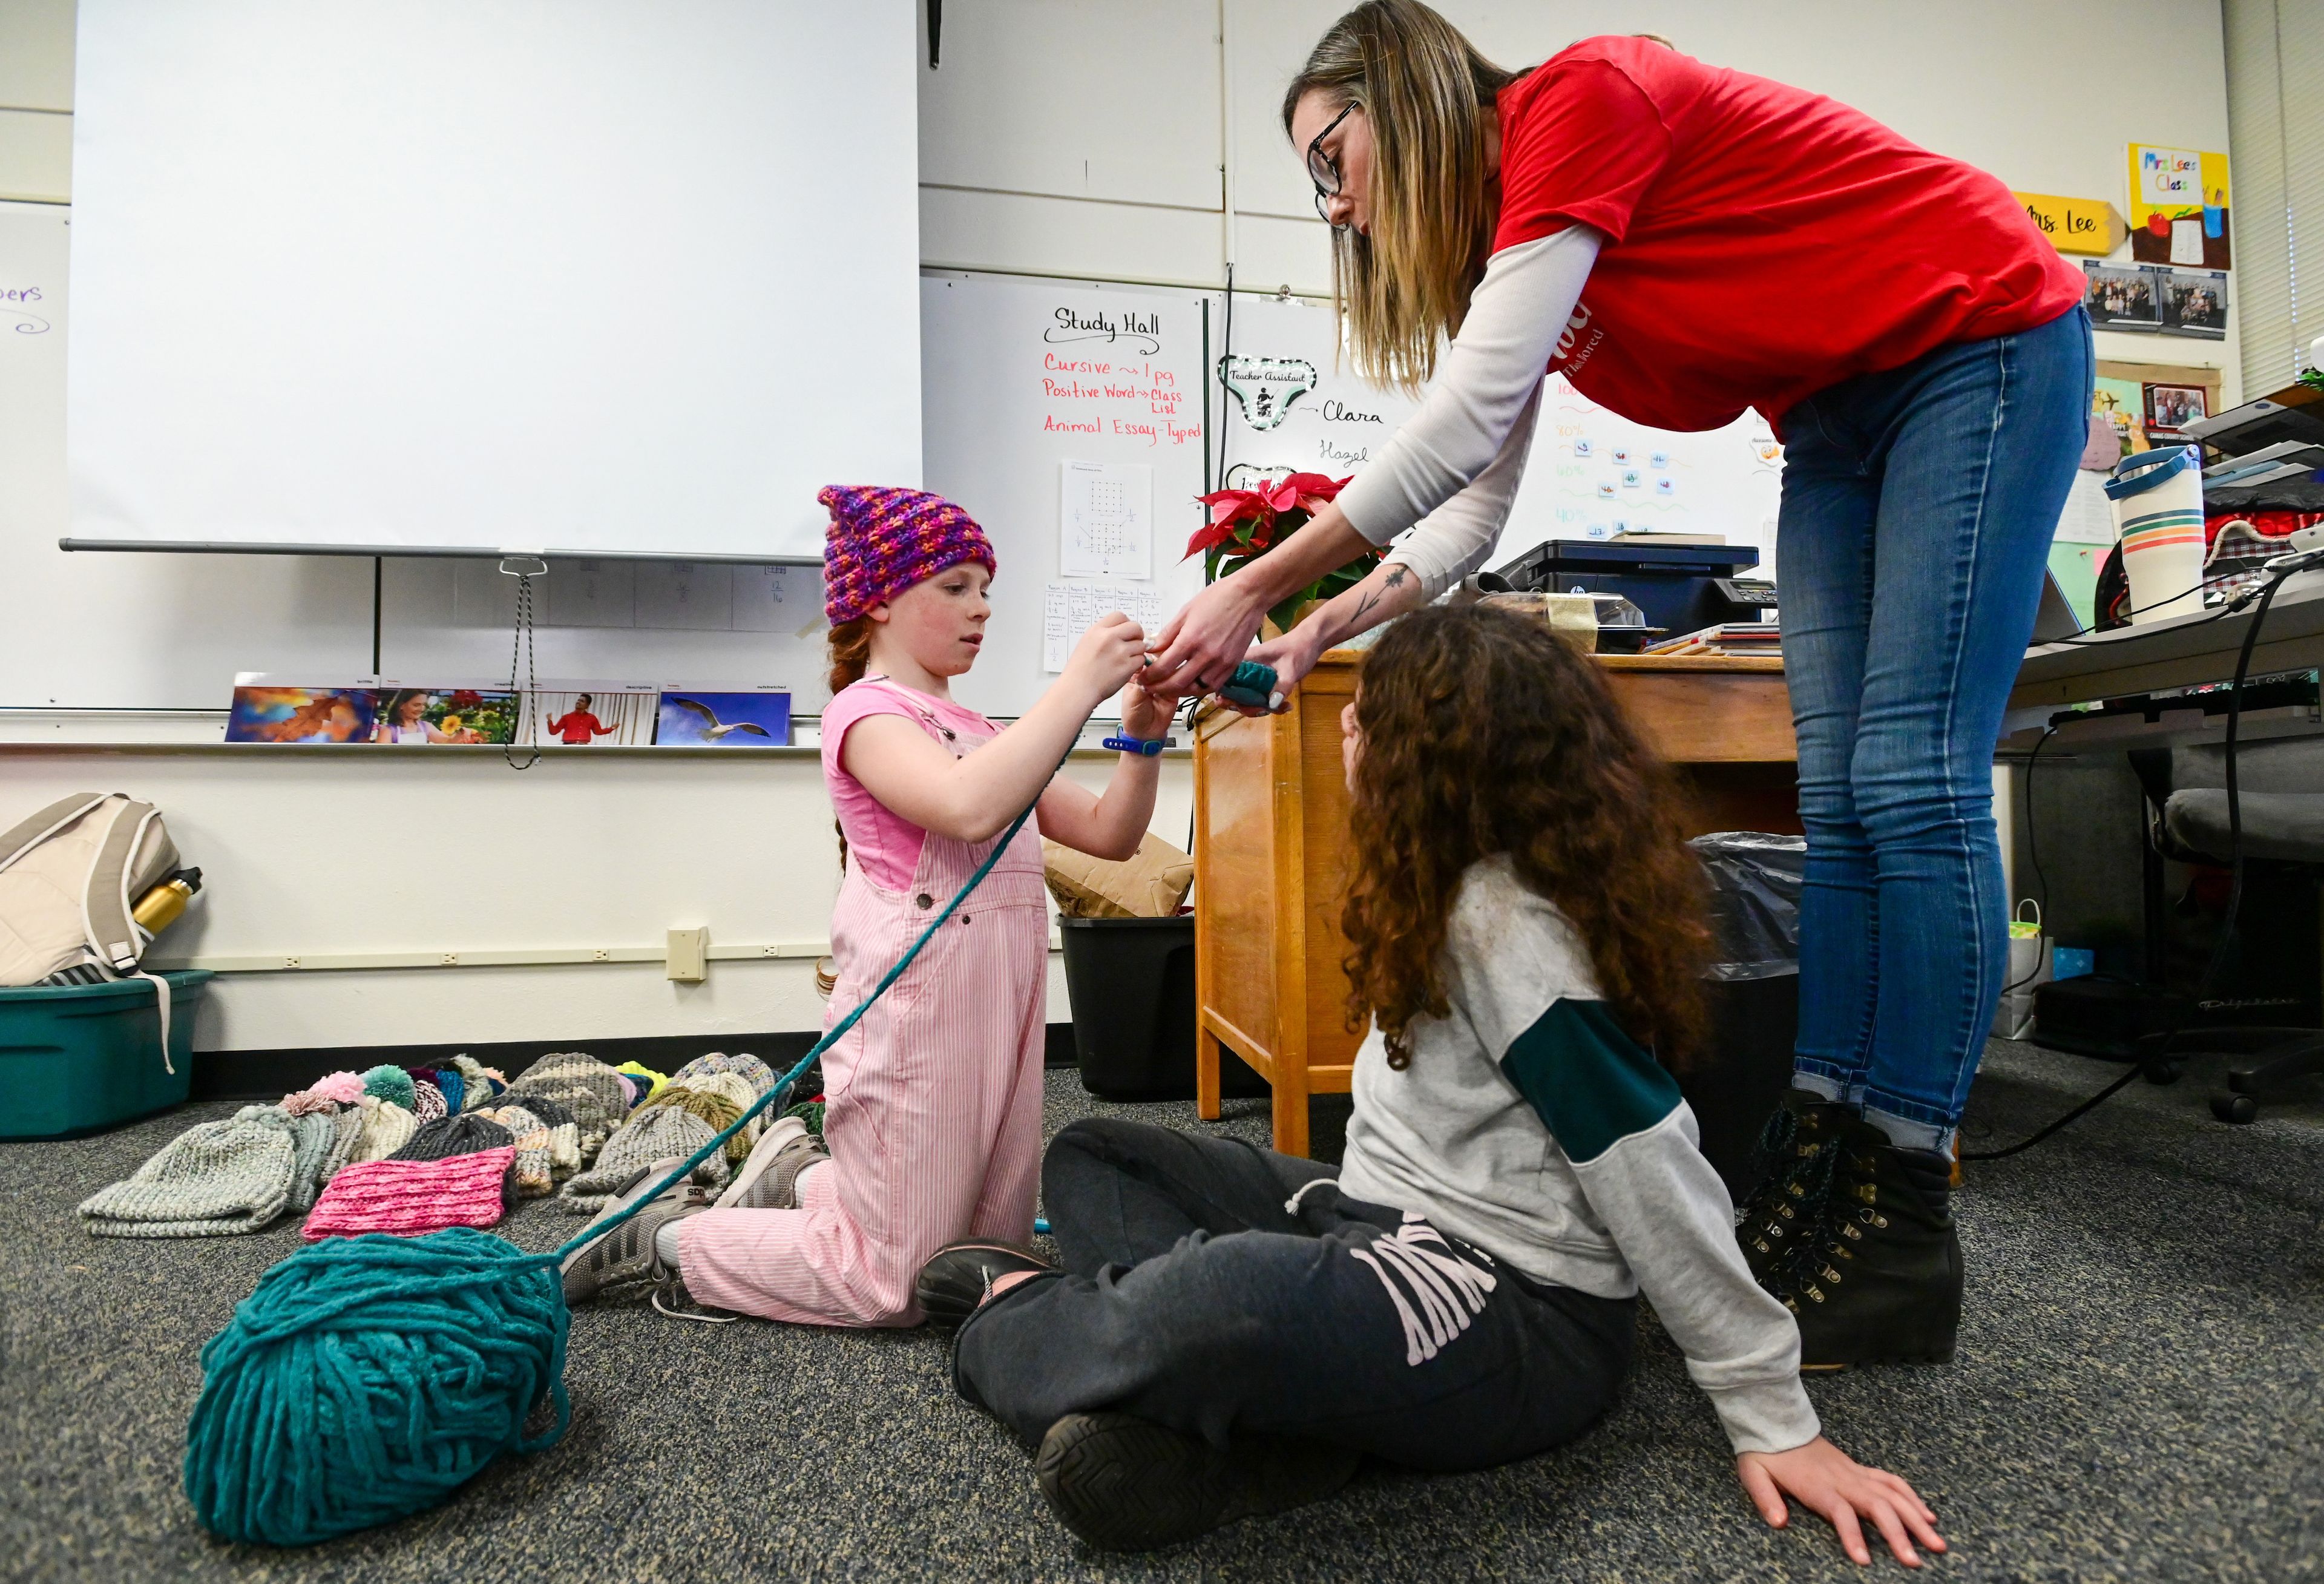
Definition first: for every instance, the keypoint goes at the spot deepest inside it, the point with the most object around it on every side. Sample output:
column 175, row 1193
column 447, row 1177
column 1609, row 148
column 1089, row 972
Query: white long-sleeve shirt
column 1454, row 465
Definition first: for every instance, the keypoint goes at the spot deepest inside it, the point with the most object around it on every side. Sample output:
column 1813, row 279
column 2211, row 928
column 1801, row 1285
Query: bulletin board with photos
column 381, row 712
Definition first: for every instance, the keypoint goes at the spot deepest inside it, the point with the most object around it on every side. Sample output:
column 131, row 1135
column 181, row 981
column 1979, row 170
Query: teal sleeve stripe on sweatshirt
column 1590, row 1083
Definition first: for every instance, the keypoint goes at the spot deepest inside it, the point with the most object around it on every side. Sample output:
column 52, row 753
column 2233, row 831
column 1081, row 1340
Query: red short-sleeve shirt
column 1763, row 241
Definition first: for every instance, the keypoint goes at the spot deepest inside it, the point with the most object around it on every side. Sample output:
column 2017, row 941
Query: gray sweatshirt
column 1529, row 1124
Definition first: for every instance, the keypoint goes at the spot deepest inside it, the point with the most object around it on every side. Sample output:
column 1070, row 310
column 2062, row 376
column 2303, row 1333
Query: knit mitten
column 450, row 1136
column 584, row 1086
column 213, row 1180
column 652, row 1133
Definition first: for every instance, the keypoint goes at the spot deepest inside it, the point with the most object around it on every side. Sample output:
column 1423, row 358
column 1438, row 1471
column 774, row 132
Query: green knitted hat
column 212, row 1181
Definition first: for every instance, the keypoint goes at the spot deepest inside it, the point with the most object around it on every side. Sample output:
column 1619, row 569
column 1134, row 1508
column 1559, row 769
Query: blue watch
column 1148, row 746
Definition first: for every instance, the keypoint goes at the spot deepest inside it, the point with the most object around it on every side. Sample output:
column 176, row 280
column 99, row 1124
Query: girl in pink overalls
column 934, row 1120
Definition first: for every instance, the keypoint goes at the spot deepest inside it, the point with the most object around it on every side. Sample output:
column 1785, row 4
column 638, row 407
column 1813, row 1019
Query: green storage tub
column 80, row 1058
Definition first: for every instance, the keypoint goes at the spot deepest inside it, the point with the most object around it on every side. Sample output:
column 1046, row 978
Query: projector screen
column 602, row 277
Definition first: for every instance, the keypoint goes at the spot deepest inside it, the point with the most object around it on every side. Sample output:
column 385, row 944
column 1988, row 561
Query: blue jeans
column 1917, row 512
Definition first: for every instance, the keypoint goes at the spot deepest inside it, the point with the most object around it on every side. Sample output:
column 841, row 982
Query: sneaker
column 1122, row 1483
column 769, row 1179
column 1878, row 1278
column 1796, row 1152
column 958, row 1277
column 622, row 1265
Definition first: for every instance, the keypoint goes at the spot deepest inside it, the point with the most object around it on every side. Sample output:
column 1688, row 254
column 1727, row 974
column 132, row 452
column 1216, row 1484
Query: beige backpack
column 70, row 879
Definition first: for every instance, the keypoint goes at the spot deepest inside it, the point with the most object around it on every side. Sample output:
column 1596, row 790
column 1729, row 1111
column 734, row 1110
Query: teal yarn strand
column 366, row 1379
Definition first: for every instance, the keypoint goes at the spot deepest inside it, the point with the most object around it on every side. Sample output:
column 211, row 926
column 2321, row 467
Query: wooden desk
column 1270, row 853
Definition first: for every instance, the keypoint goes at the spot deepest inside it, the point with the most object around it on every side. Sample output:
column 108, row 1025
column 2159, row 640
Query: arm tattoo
column 1395, row 580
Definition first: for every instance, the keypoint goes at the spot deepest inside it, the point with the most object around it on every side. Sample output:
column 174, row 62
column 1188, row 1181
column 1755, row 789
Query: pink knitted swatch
column 407, row 1198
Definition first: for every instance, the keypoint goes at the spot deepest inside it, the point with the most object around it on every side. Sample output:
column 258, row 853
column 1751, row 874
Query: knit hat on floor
column 718, row 1098
column 327, row 1093
column 407, row 1198
column 449, row 1136
column 882, row 540
column 312, row 1134
column 762, row 1076
column 349, row 1126
column 454, row 1087
column 646, row 1078
column 582, row 1084
column 386, row 1129
column 389, row 1083
column 212, row 1181
column 530, row 1135
column 427, row 1101
column 651, row 1134
column 479, row 1083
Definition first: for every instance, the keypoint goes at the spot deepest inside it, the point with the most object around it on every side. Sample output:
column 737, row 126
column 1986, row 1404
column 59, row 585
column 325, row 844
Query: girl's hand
column 1828, row 1481
column 1110, row 654
column 1143, row 715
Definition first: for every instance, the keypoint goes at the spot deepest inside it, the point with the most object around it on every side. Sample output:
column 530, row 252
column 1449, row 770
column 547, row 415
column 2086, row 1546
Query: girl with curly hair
column 1231, row 1330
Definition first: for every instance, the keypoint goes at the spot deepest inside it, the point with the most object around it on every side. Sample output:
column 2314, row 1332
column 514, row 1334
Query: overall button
column 923, row 901
column 964, row 918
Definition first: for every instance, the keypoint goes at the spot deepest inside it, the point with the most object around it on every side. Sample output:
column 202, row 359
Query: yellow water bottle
column 160, row 908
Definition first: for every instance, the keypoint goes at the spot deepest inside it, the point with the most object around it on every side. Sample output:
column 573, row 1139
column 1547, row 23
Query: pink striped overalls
column 933, row 1118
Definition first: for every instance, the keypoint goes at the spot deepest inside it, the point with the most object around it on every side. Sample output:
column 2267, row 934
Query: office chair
column 2278, row 827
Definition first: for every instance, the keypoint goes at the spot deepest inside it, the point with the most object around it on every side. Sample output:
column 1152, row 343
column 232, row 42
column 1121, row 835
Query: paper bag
column 1150, row 884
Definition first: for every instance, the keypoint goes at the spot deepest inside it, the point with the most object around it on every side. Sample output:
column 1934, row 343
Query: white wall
column 1056, row 137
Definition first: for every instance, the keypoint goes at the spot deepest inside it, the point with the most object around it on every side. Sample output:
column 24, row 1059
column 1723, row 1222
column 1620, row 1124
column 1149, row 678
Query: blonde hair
column 1426, row 92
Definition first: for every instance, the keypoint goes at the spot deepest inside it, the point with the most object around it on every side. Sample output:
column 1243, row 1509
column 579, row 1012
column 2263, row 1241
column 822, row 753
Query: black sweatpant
column 1192, row 1295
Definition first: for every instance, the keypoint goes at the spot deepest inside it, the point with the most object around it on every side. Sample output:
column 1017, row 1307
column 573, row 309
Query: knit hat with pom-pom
column 882, row 540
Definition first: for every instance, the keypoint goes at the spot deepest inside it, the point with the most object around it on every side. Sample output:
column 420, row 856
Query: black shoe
column 1126, row 1483
column 1795, row 1161
column 1880, row 1279
column 958, row 1277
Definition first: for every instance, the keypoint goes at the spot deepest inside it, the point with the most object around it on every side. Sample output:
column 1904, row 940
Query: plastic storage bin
column 80, row 1058
column 1133, row 985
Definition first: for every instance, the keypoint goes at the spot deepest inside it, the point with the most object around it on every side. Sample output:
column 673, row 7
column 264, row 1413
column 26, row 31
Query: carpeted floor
column 2138, row 1398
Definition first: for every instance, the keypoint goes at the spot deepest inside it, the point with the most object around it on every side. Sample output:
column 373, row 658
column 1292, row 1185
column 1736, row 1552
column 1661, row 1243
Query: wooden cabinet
column 1270, row 852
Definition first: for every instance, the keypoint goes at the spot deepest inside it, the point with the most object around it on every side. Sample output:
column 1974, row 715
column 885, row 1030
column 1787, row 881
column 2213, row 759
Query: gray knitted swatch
column 214, row 1180
column 655, row 1133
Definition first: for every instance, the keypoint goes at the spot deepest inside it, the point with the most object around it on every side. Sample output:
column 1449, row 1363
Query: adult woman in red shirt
column 1683, row 242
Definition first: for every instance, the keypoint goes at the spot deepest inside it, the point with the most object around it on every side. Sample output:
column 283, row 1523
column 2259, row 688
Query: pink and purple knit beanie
column 883, row 540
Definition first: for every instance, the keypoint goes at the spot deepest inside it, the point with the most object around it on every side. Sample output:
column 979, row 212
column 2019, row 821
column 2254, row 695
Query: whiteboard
column 609, row 276
column 1020, row 377
column 1591, row 474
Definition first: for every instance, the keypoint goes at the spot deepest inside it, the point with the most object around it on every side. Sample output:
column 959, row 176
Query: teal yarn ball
column 367, row 1378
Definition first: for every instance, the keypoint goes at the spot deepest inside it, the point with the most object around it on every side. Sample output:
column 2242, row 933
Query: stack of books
column 1728, row 638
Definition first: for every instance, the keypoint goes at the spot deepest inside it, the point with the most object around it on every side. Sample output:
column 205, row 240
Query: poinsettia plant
column 1246, row 524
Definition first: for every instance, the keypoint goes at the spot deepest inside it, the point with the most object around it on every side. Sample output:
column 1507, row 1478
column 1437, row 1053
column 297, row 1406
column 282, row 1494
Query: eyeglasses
column 1324, row 171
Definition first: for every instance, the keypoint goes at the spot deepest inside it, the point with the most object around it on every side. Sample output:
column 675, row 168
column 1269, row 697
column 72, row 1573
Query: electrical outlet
column 688, row 956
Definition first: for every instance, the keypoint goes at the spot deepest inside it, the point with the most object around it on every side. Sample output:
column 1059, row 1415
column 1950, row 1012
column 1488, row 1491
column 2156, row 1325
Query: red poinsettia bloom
column 1312, row 491
column 1229, row 508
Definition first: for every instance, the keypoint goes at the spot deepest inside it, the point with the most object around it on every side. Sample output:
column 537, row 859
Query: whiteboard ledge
column 464, row 552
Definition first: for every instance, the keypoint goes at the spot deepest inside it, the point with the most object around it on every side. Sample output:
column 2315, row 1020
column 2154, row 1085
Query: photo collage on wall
column 385, row 712
column 2162, row 301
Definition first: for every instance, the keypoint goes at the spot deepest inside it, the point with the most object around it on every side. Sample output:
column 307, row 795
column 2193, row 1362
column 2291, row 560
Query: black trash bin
column 1131, row 981
column 1752, row 995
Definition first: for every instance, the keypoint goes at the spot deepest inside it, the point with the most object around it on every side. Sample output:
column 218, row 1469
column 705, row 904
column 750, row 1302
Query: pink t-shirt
column 885, row 844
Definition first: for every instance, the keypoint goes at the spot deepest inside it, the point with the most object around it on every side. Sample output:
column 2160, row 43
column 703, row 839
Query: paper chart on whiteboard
column 1068, row 610
column 1106, row 519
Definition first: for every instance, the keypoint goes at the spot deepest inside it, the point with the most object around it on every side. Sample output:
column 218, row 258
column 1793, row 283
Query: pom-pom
column 389, row 1083
column 367, row 1378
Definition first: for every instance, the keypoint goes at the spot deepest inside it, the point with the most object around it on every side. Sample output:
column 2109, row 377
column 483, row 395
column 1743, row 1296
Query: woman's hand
column 1110, row 654
column 1142, row 713
column 1828, row 1481
column 1199, row 647
column 1290, row 656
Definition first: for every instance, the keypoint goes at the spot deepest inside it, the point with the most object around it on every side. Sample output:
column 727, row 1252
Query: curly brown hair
column 1483, row 734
